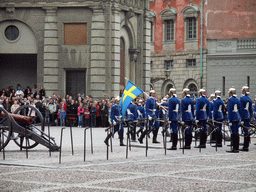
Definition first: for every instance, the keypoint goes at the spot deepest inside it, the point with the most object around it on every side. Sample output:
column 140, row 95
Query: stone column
column 146, row 51
column 116, row 27
column 98, row 49
column 51, row 52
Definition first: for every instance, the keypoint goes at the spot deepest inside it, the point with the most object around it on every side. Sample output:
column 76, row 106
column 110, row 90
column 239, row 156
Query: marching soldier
column 233, row 118
column 130, row 116
column 246, row 114
column 173, row 109
column 187, row 111
column 151, row 115
column 202, row 111
column 116, row 117
column 218, row 116
column 140, row 114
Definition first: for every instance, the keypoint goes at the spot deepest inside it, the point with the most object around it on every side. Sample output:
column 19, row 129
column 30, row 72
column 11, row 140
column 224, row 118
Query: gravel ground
column 208, row 170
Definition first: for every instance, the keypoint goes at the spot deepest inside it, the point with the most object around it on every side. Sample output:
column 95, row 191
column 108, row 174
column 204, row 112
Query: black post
column 61, row 144
column 91, row 140
column 147, row 139
column 84, row 143
column 108, row 132
column 71, row 139
column 2, row 136
column 128, row 137
column 50, row 153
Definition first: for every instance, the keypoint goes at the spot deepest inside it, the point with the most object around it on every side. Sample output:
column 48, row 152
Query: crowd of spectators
column 57, row 110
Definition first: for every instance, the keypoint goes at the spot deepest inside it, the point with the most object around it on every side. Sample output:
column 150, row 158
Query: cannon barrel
column 25, row 120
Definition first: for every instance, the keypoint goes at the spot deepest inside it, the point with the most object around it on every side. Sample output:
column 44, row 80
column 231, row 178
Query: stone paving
column 208, row 170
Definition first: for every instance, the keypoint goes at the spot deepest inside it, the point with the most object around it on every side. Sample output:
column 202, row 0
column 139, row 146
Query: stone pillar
column 98, row 60
column 116, row 27
column 146, row 51
column 51, row 52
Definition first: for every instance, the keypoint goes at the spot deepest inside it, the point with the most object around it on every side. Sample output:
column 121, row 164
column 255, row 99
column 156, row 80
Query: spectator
column 80, row 112
column 7, row 105
column 42, row 93
column 53, row 111
column 98, row 117
column 47, row 114
column 87, row 117
column 104, row 113
column 62, row 116
column 14, row 106
column 71, row 112
column 1, row 103
column 93, row 114
column 19, row 92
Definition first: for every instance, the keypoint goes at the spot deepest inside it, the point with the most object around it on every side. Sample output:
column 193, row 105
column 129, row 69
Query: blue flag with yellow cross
column 131, row 91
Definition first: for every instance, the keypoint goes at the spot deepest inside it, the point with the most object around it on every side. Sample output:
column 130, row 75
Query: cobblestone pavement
column 208, row 170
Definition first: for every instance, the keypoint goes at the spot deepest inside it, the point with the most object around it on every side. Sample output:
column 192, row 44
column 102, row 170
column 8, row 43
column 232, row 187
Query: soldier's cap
column 201, row 91
column 152, row 91
column 164, row 99
column 217, row 91
column 173, row 90
column 185, row 90
column 117, row 98
column 246, row 88
column 212, row 95
column 232, row 90
column 140, row 101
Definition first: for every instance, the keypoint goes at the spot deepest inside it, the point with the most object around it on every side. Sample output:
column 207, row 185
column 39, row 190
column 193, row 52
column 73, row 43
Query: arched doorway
column 192, row 86
column 18, row 55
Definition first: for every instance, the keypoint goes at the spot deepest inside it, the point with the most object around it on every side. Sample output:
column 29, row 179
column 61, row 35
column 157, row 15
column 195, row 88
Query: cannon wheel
column 6, row 126
column 38, row 123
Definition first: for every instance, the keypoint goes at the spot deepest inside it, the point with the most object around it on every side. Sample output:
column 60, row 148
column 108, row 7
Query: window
column 11, row 32
column 248, row 81
column 192, row 89
column 191, row 62
column 168, row 64
column 191, row 28
column 75, row 33
column 223, row 85
column 152, row 32
column 169, row 30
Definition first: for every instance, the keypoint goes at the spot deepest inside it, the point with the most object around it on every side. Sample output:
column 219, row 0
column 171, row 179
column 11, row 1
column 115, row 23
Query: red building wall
column 158, row 6
column 227, row 19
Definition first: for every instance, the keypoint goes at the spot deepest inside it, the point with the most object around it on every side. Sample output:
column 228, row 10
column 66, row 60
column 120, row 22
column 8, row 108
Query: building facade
column 178, row 47
column 231, row 43
column 70, row 47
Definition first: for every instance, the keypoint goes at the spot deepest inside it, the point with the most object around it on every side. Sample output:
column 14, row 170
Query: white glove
column 197, row 121
column 242, row 122
column 230, row 124
column 114, row 123
column 182, row 122
column 149, row 118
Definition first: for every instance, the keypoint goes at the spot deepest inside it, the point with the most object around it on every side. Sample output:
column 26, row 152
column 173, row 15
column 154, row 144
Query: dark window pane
column 11, row 33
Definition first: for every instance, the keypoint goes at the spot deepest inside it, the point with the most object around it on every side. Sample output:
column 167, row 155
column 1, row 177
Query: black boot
column 155, row 131
column 246, row 143
column 107, row 138
column 121, row 138
column 174, row 141
column 235, row 144
column 203, row 138
column 213, row 137
column 188, row 141
column 133, row 134
column 218, row 140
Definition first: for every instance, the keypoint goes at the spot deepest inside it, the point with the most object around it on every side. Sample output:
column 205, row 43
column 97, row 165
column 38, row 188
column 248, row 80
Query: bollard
column 84, row 143
column 50, row 153
column 2, row 138
column 71, row 139
column 91, row 140
column 61, row 144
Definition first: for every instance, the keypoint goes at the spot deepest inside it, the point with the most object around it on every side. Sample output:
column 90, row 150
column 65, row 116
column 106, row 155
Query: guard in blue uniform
column 116, row 117
column 130, row 116
column 246, row 114
column 140, row 114
column 202, row 111
column 210, row 115
column 151, row 114
column 173, row 113
column 218, row 116
column 233, row 117
column 163, row 112
column 187, row 116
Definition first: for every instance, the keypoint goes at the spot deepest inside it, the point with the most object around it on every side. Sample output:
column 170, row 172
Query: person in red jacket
column 80, row 112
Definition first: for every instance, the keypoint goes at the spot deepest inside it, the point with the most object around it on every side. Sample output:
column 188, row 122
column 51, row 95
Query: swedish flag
column 131, row 91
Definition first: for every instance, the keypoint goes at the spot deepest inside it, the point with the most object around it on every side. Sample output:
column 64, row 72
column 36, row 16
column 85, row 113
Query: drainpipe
column 201, row 47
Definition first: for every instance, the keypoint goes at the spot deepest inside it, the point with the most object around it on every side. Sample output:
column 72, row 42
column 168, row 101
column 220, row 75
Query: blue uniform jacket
column 233, row 108
column 130, row 112
column 151, row 107
column 174, row 108
column 210, row 109
column 246, row 110
column 202, row 108
column 187, row 109
column 218, row 109
column 115, row 113
column 140, row 112
column 162, row 111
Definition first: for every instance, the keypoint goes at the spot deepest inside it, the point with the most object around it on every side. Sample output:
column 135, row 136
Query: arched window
column 122, row 62
column 193, row 89
column 168, row 87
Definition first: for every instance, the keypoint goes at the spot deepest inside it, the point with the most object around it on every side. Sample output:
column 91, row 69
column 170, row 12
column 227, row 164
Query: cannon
column 25, row 127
